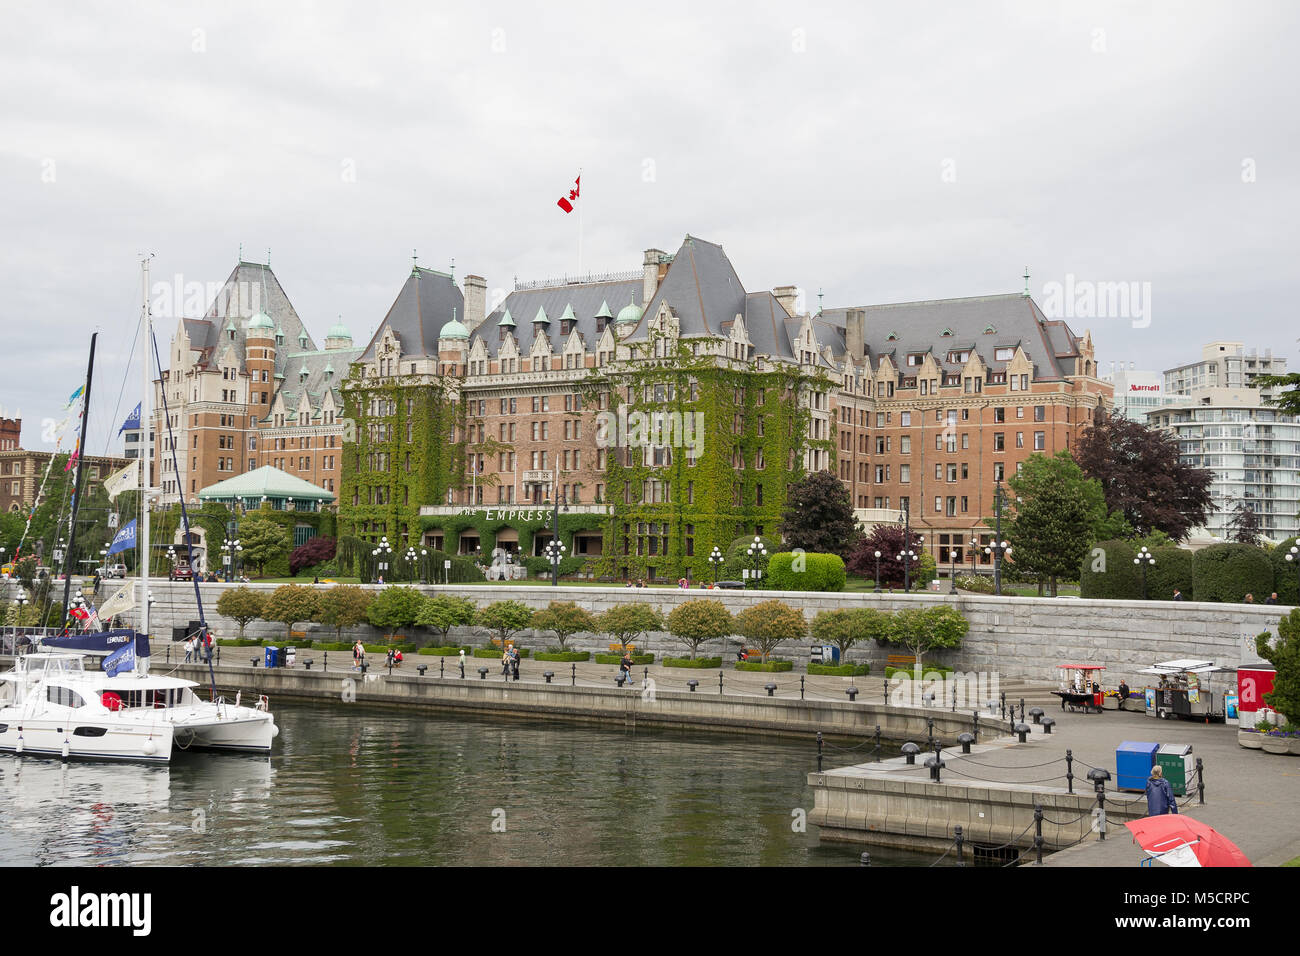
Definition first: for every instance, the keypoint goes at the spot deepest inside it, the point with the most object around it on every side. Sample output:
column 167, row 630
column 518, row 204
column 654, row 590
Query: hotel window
column 1020, row 439
column 1040, row 413
column 938, row 471
column 952, row 472
column 965, row 440
column 999, row 441
column 905, row 419
column 905, row 473
column 1020, row 411
column 999, row 471
column 938, row 505
column 905, row 445
column 1040, row 441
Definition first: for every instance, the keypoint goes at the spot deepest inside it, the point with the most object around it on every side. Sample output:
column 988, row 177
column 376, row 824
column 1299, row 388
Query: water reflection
column 352, row 785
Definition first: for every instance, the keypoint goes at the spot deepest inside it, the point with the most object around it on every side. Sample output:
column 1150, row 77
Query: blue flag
column 132, row 420
column 125, row 539
column 122, row 659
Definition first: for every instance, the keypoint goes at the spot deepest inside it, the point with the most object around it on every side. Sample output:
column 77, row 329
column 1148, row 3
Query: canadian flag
column 566, row 202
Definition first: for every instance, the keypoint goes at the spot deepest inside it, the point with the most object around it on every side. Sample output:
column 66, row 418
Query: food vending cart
column 1079, row 687
column 1183, row 689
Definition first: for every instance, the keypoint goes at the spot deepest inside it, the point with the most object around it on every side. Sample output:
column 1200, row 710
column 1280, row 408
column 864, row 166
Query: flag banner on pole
column 566, row 202
column 132, row 420
column 74, row 396
column 125, row 539
column 128, row 479
column 122, row 659
column 72, row 459
column 121, row 601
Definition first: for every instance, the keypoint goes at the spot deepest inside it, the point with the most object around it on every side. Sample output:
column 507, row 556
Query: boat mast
column 76, row 492
column 146, row 421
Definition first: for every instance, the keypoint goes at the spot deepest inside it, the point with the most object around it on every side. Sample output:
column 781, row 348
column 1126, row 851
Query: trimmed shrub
column 769, row 667
column 907, row 673
column 565, row 656
column 839, row 670
column 1228, row 572
column 820, row 572
column 446, row 651
column 1285, row 573
column 494, row 652
column 618, row 658
column 975, row 582
column 1108, row 572
column 700, row 663
column 1174, row 569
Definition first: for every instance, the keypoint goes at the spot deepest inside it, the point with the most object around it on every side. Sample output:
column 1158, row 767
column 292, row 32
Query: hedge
column 699, row 662
column 1174, row 569
column 496, row 652
column 446, row 651
column 906, row 673
column 1228, row 572
column 1284, row 573
column 770, row 666
column 565, row 656
column 839, row 670
column 821, row 572
column 618, row 658
column 1108, row 572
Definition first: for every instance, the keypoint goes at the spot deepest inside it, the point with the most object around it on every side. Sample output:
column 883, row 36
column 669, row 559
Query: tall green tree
column 290, row 603
column 263, row 540
column 241, row 605
column 921, row 630
column 504, row 619
column 1286, row 396
column 444, row 612
column 564, row 619
column 394, row 607
column 343, row 606
column 818, row 516
column 627, row 622
column 769, row 624
column 1284, row 655
column 1054, row 514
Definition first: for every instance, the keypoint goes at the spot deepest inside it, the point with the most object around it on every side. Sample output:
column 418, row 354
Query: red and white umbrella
column 1178, row 840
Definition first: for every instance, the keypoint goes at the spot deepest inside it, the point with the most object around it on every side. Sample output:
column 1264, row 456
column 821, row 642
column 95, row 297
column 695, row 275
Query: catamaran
column 52, row 705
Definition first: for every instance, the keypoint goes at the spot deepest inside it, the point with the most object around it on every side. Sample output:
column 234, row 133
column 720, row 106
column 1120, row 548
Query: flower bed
column 1274, row 741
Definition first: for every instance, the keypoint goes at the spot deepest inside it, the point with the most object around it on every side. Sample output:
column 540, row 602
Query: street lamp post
column 908, row 558
column 877, row 589
column 952, row 570
column 382, row 554
column 716, row 560
column 974, row 551
column 410, row 564
column 906, row 519
column 560, row 499
column 1294, row 557
column 756, row 551
column 231, row 548
column 999, row 548
column 555, row 554
column 1144, row 559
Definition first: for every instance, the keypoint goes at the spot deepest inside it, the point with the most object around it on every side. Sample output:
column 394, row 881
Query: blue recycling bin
column 272, row 657
column 1133, row 763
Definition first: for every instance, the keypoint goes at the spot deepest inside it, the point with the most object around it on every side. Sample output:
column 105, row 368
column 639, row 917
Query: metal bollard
column 307, row 663
column 819, row 748
column 852, row 692
column 692, row 684
column 1022, row 710
column 885, row 690
column 929, row 729
column 961, row 860
column 801, row 687
column 1038, row 834
column 252, row 661
column 975, row 724
column 548, row 675
column 482, row 673
column 1022, row 731
column 442, row 663
column 965, row 740
column 1098, row 776
column 864, row 859
column 909, row 751
column 719, row 682
column 325, row 666
column 770, row 688
column 1004, row 705
column 1047, row 724
column 1069, row 771
column 877, row 747
column 421, row 668
column 1035, row 714
column 934, row 763
column 954, row 697
column 365, row 666
column 1200, row 783
column 573, row 675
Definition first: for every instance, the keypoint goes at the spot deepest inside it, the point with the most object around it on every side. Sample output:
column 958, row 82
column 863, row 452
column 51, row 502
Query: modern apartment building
column 1252, row 449
column 1137, row 392
column 669, row 410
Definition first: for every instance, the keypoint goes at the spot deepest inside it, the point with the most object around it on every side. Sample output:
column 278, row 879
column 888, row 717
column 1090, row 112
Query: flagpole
column 579, row 225
column 77, row 479
column 142, row 533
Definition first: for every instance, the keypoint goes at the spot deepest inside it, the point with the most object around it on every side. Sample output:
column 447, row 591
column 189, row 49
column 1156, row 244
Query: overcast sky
column 880, row 152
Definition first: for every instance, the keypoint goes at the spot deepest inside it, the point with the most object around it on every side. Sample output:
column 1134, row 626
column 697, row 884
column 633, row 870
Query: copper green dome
column 261, row 321
column 630, row 314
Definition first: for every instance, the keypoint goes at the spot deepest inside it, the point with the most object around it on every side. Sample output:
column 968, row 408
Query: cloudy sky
column 880, row 152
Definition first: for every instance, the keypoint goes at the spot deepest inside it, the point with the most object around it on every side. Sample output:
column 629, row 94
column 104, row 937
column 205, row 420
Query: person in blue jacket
column 1160, row 795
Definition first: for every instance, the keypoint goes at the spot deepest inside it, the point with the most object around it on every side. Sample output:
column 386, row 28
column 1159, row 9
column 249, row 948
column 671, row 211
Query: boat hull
column 241, row 729
column 52, row 737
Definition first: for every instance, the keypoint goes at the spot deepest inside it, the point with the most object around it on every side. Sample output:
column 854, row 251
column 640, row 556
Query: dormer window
column 989, row 330
column 891, row 337
column 916, row 358
column 1003, row 354
column 959, row 357
column 945, row 333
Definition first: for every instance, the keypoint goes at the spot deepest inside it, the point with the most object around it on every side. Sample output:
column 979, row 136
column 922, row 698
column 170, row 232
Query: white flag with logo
column 128, row 479
column 121, row 600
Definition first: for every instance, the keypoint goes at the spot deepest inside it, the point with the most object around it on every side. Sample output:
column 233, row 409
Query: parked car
column 181, row 572
column 115, row 571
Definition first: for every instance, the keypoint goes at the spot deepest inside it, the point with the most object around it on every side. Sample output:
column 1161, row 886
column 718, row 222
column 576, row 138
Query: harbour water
column 351, row 785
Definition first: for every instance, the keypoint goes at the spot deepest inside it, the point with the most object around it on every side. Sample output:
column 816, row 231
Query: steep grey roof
column 317, row 383
column 427, row 301
column 1014, row 317
column 769, row 325
column 585, row 297
column 251, row 287
column 701, row 288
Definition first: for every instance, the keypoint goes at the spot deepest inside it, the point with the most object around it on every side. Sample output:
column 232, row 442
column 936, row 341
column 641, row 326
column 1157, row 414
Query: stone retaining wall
column 1024, row 638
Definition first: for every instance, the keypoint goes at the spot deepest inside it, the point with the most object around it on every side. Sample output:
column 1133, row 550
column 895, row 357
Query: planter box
column 1250, row 740
column 1277, row 745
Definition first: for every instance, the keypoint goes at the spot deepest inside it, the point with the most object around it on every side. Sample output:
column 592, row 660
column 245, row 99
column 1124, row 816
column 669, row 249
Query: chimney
column 654, row 258
column 475, row 302
column 855, row 328
column 786, row 295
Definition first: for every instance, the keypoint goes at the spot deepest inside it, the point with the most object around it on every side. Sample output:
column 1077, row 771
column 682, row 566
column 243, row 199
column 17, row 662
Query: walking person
column 462, row 663
column 625, row 670
column 189, row 649
column 1160, row 795
column 1178, row 595
column 358, row 655
column 505, row 661
column 514, row 662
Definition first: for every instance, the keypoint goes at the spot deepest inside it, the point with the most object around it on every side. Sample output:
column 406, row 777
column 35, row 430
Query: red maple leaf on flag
column 567, row 203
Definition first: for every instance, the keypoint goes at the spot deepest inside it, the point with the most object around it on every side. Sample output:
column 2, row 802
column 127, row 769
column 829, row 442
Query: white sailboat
column 50, row 704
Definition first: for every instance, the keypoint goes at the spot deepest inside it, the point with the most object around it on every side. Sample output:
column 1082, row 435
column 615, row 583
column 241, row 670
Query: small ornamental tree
column 921, row 630
column 315, row 551
column 888, row 540
column 504, row 619
column 769, row 624
column 844, row 628
column 290, row 603
column 394, row 607
column 343, row 606
column 1284, row 655
column 241, row 605
column 262, row 540
column 564, row 619
column 629, row 621
column 818, row 516
column 695, row 622
column 444, row 612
